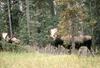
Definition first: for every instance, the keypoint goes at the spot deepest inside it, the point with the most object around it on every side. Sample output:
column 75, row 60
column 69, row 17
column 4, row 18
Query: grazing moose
column 80, row 41
column 83, row 40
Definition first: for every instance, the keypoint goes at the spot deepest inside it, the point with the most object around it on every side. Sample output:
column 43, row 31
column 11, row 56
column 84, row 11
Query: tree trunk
column 10, row 20
column 52, row 7
column 28, row 16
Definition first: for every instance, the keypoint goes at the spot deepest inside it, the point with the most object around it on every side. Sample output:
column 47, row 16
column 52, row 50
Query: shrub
column 5, row 46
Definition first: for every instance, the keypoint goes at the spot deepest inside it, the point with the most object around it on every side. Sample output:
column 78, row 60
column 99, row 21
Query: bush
column 5, row 46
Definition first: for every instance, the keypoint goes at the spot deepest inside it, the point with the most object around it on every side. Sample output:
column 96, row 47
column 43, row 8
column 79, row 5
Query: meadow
column 37, row 60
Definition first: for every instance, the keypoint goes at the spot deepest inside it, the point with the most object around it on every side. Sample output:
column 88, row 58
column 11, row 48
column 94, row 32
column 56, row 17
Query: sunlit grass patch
column 36, row 60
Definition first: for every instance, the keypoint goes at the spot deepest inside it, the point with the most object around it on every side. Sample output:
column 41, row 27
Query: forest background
column 33, row 19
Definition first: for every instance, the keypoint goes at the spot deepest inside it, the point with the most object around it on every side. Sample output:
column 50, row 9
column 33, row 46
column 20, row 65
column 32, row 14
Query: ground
column 37, row 60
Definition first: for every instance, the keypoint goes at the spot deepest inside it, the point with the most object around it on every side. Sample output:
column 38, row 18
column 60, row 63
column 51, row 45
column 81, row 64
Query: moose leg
column 91, row 51
column 88, row 43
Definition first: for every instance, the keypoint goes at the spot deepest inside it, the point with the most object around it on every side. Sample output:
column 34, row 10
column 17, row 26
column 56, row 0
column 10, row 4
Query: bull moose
column 56, row 38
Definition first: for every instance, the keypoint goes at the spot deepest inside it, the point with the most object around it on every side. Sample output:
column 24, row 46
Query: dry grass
column 36, row 60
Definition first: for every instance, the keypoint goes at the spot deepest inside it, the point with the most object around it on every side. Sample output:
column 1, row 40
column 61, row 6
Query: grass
column 36, row 60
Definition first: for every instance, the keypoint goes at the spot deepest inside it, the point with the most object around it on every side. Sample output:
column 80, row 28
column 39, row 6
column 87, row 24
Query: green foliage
column 23, row 33
column 4, row 46
column 42, row 37
column 3, row 18
column 41, row 21
column 94, row 18
column 16, row 15
column 42, row 18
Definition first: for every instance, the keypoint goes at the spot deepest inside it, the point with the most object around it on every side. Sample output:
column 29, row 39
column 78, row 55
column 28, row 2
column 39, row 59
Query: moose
column 5, row 37
column 80, row 40
column 56, row 38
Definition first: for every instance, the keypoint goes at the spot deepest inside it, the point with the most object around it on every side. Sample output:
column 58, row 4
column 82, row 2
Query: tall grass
column 36, row 60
